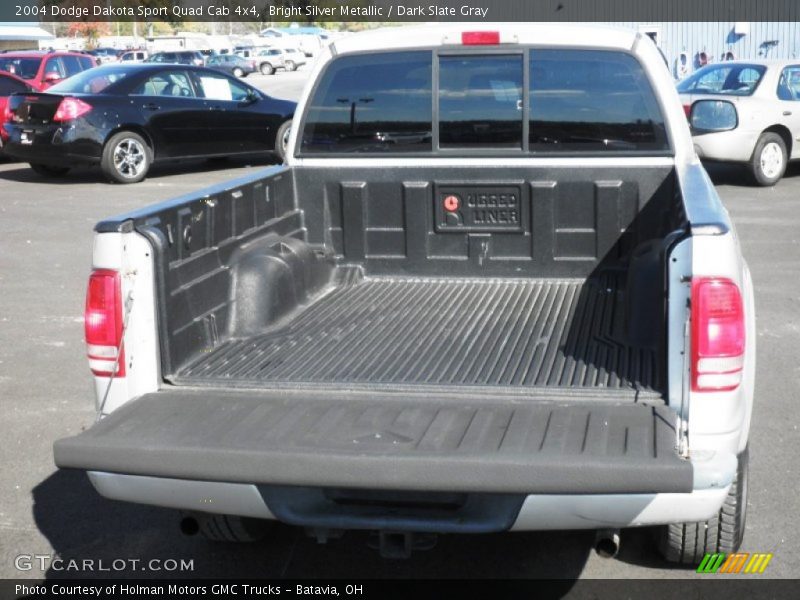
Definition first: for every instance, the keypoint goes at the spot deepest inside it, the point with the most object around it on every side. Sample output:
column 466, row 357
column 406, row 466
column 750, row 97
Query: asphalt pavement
column 46, row 393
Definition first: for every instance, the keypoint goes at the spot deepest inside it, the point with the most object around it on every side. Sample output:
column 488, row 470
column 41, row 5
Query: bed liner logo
column 736, row 563
column 479, row 208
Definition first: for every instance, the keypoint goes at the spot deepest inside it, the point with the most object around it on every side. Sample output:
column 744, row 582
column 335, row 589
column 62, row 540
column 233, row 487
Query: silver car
column 746, row 112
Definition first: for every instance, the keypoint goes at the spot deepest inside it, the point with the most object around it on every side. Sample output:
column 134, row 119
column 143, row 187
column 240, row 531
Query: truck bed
column 507, row 334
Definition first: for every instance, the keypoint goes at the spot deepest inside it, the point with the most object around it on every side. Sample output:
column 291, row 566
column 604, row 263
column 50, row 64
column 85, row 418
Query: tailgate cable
column 128, row 304
column 683, row 416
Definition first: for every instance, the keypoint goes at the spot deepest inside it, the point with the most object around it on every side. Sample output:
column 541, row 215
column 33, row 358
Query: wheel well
column 135, row 129
column 785, row 135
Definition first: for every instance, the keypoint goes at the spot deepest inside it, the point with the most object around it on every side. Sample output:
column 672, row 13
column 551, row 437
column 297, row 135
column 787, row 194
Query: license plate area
column 26, row 136
column 479, row 208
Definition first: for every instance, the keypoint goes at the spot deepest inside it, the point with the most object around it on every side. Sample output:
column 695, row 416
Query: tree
column 91, row 30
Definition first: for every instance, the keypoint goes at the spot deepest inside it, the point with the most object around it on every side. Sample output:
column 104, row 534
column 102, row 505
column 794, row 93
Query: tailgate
column 395, row 441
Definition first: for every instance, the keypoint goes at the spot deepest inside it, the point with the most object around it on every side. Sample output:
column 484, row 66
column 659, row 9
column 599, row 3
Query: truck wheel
column 282, row 139
column 126, row 157
column 768, row 163
column 228, row 528
column 237, row 72
column 290, row 66
column 688, row 543
column 266, row 69
column 49, row 171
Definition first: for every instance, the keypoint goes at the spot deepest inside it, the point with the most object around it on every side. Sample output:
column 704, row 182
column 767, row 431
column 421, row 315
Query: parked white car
column 293, row 58
column 134, row 56
column 288, row 59
column 746, row 112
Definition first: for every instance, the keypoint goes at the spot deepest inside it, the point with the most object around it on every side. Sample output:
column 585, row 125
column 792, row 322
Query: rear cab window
column 526, row 101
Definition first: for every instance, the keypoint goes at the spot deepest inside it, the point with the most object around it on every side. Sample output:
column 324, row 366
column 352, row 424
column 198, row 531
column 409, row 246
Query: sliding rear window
column 515, row 101
column 480, row 101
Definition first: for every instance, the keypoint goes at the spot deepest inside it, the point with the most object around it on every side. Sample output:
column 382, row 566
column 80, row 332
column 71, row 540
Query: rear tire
column 768, row 163
column 688, row 543
column 228, row 528
column 290, row 66
column 49, row 170
column 266, row 69
column 126, row 157
column 282, row 139
column 237, row 72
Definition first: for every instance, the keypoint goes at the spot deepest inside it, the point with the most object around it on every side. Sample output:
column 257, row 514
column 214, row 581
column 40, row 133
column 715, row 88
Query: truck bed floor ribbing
column 462, row 332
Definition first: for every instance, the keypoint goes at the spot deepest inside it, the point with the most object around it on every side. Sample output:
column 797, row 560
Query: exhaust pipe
column 189, row 526
column 606, row 543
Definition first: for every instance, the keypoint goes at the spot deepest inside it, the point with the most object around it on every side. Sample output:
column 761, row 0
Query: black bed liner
column 396, row 441
column 503, row 333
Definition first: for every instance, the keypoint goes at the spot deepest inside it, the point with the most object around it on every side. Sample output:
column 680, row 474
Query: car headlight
column 713, row 116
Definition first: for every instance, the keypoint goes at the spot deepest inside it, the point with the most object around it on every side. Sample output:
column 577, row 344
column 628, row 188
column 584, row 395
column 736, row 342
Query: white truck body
column 712, row 427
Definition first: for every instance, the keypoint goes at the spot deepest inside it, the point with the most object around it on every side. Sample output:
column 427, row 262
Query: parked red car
column 43, row 69
column 10, row 84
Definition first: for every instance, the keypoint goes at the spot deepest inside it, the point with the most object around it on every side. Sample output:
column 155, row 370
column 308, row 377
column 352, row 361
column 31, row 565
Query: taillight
column 7, row 113
column 480, row 38
column 687, row 110
column 71, row 108
column 718, row 335
column 103, row 323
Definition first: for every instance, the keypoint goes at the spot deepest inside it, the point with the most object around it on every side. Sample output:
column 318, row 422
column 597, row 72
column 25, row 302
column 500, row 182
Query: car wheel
column 126, row 157
column 688, row 543
column 238, row 72
column 768, row 163
column 266, row 69
column 282, row 139
column 290, row 66
column 227, row 528
column 48, row 170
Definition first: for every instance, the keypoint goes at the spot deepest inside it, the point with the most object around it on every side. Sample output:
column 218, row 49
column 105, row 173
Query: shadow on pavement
column 80, row 524
column 739, row 175
column 22, row 173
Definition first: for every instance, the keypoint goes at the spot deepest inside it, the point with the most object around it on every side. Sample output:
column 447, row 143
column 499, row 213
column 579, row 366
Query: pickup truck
column 492, row 289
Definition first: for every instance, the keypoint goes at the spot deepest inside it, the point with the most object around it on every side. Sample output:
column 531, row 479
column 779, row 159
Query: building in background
column 703, row 42
column 22, row 36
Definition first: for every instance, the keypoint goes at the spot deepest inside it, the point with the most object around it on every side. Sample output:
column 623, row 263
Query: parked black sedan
column 125, row 117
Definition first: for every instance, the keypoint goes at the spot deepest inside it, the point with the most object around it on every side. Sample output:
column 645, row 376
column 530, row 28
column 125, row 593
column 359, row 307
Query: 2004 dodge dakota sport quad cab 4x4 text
column 492, row 289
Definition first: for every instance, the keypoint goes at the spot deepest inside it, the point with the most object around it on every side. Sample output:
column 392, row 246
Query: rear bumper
column 537, row 512
column 56, row 146
column 456, row 442
column 734, row 146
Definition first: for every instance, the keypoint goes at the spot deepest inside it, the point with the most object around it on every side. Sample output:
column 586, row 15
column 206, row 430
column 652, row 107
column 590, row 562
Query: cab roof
column 547, row 34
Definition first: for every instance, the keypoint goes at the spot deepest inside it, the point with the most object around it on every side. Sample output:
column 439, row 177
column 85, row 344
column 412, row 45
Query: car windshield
column 26, row 67
column 724, row 79
column 93, row 81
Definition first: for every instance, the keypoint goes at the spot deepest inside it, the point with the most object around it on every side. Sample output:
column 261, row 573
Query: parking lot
column 45, row 387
